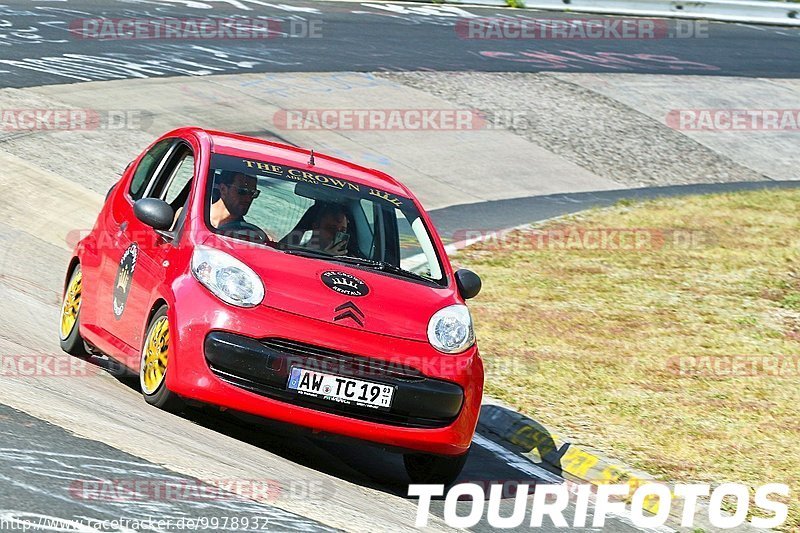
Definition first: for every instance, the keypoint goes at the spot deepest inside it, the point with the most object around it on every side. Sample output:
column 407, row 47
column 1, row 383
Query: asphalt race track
column 55, row 434
column 503, row 214
column 40, row 49
column 35, row 454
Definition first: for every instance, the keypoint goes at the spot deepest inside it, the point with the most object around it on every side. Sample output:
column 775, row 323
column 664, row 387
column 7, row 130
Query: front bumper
column 263, row 367
column 227, row 357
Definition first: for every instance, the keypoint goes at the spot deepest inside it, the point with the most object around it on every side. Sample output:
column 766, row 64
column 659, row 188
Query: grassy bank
column 654, row 354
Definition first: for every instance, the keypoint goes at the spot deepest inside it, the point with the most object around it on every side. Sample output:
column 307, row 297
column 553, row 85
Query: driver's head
column 237, row 192
column 330, row 220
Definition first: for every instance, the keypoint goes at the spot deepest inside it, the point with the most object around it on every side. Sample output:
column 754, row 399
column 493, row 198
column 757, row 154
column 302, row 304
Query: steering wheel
column 245, row 230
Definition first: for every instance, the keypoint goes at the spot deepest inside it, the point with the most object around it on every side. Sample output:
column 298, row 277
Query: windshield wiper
column 305, row 252
column 383, row 266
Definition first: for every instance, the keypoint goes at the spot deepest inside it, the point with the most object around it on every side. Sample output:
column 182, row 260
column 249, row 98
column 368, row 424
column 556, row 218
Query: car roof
column 241, row 145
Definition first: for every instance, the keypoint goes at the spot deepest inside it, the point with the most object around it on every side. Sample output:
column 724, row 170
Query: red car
column 286, row 284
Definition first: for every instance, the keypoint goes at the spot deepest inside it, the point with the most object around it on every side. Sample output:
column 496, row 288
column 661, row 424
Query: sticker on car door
column 122, row 283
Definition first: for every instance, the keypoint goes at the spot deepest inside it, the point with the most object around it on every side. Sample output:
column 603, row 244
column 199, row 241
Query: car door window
column 172, row 182
column 166, row 171
column 181, row 176
column 147, row 167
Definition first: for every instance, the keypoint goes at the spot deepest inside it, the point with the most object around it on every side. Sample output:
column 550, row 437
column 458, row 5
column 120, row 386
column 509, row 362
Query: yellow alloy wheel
column 71, row 305
column 155, row 356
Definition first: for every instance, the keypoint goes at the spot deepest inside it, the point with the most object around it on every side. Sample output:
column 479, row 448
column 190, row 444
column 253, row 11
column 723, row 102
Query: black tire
column 161, row 397
column 424, row 468
column 73, row 343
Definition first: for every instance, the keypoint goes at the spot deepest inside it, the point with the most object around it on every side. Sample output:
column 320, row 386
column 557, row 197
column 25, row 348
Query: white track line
column 514, row 460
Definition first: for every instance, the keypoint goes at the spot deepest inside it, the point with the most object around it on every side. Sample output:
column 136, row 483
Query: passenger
column 329, row 230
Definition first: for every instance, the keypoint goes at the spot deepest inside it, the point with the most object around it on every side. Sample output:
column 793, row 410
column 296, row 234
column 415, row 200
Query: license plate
column 340, row 389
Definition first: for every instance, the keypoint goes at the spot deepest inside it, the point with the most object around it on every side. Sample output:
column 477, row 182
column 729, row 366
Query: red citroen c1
column 286, row 284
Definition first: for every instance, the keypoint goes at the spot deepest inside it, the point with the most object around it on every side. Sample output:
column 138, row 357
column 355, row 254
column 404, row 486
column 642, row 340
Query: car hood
column 353, row 297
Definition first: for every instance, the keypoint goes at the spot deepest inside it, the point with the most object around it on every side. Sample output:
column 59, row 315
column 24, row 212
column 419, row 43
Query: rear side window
column 147, row 166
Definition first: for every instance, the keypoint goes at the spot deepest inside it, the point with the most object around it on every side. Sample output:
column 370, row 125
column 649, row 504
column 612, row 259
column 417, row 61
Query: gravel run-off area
column 591, row 130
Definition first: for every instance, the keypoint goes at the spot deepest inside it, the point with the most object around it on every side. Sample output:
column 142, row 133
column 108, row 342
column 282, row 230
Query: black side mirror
column 469, row 283
column 154, row 212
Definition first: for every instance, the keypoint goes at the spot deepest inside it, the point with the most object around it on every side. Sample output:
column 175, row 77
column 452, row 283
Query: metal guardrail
column 748, row 11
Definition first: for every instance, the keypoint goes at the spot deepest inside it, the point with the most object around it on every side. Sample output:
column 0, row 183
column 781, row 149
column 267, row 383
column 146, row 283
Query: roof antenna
column 311, row 159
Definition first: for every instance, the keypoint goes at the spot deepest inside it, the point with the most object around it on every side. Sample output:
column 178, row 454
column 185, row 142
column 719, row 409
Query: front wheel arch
column 157, row 305
column 161, row 397
column 75, row 261
column 73, row 342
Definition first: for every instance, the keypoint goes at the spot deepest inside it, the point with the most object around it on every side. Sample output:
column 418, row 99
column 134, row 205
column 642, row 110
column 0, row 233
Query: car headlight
column 450, row 329
column 226, row 277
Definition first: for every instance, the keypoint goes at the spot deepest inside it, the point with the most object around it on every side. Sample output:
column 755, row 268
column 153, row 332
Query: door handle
column 122, row 228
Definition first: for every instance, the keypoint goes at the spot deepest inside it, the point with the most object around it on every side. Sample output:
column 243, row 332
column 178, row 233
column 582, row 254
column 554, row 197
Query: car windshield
column 315, row 215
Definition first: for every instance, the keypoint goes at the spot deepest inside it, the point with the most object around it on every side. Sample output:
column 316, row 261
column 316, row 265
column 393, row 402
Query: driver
column 236, row 192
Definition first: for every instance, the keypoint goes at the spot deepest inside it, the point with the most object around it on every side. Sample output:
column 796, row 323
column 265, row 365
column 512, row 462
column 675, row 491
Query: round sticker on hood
column 344, row 283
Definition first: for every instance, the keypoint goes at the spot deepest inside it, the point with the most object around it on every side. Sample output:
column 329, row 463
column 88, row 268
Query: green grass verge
column 599, row 331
